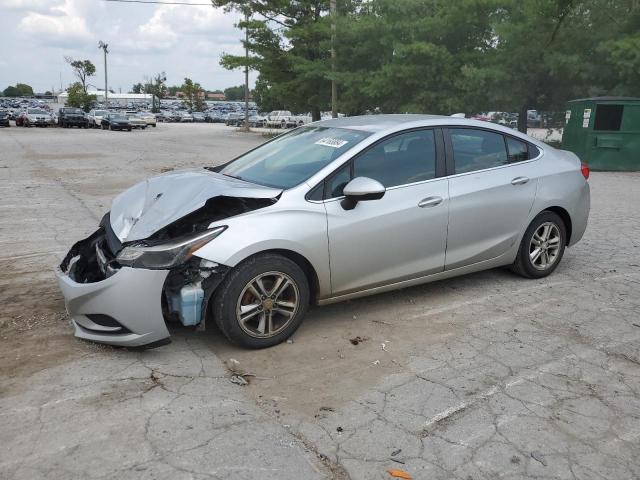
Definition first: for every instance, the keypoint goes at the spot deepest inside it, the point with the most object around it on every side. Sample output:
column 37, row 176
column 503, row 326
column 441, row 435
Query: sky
column 183, row 41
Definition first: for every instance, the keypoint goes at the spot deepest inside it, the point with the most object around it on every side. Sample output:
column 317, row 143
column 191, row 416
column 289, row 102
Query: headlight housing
column 166, row 255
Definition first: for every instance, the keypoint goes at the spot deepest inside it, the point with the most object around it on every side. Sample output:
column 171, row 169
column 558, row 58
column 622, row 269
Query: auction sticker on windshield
column 332, row 142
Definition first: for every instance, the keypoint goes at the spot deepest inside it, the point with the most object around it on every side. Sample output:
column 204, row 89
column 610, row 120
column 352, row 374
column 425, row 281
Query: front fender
column 302, row 230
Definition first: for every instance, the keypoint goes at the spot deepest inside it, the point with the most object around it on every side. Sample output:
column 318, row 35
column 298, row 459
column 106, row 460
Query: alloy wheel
column 544, row 246
column 267, row 304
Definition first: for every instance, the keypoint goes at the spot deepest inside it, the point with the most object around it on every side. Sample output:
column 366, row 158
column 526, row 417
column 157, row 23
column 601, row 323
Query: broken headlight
column 166, row 255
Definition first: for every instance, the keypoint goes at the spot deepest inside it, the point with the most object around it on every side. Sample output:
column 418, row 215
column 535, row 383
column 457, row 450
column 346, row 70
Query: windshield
column 294, row 157
column 36, row 111
column 100, row 113
column 73, row 110
column 118, row 118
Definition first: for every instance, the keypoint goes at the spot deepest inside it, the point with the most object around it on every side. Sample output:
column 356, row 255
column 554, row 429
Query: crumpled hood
column 156, row 202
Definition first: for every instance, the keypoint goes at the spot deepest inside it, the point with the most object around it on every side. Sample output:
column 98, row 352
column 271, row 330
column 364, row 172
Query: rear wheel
column 542, row 246
column 262, row 301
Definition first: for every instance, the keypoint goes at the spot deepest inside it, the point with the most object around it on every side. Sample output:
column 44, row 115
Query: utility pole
column 334, row 86
column 104, row 47
column 246, row 71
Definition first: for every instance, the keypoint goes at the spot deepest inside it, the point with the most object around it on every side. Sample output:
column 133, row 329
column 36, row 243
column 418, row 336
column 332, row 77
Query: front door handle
column 519, row 180
column 430, row 202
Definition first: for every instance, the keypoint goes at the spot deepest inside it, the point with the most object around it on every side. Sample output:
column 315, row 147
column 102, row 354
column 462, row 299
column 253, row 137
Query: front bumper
column 108, row 303
column 125, row 309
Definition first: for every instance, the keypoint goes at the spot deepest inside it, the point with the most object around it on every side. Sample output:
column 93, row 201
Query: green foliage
column 192, row 95
column 20, row 90
column 78, row 97
column 137, row 88
column 439, row 56
column 234, row 93
column 82, row 69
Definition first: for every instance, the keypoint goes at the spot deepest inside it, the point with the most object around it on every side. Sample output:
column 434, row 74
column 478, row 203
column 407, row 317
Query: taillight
column 584, row 168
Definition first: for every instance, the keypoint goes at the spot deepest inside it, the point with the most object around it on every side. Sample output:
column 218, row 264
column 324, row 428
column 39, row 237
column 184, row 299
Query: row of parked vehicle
column 69, row 117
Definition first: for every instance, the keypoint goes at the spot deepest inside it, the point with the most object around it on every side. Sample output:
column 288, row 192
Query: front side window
column 406, row 158
column 477, row 149
column 294, row 157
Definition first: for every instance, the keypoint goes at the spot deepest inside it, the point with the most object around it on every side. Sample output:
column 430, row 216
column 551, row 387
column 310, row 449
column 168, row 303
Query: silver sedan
column 334, row 210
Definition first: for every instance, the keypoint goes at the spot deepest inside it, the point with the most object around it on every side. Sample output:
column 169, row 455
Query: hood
column 153, row 204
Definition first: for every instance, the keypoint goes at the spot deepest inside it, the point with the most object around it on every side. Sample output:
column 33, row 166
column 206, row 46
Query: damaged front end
column 125, row 292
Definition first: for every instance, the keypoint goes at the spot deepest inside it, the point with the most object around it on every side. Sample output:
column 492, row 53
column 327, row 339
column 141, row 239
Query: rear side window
column 477, row 149
column 517, row 150
column 608, row 117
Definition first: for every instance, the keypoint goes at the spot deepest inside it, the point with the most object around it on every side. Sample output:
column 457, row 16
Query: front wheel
column 542, row 246
column 262, row 301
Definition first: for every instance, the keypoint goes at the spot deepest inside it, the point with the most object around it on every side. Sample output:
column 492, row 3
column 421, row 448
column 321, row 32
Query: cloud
column 143, row 39
column 62, row 26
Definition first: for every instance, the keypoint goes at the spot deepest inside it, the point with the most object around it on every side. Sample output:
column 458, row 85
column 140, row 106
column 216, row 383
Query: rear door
column 491, row 190
column 403, row 234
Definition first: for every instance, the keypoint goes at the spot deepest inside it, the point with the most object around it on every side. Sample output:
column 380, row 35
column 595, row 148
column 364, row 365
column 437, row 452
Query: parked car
column 234, row 119
column 36, row 117
column 115, row 121
column 136, row 121
column 149, row 118
column 257, row 121
column 198, row 117
column 280, row 119
column 338, row 209
column 94, row 117
column 72, row 117
column 4, row 119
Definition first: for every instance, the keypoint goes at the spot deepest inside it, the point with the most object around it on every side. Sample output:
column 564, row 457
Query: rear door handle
column 519, row 180
column 430, row 202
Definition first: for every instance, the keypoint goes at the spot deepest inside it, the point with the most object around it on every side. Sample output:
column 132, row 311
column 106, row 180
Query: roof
column 375, row 123
column 607, row 99
column 381, row 124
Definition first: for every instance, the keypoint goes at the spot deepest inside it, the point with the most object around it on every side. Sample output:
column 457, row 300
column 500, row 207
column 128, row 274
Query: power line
column 161, row 2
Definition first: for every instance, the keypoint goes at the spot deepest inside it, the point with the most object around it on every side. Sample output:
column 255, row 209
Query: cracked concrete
column 481, row 377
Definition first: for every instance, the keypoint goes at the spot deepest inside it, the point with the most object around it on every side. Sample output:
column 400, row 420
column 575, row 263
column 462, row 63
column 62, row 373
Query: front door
column 400, row 236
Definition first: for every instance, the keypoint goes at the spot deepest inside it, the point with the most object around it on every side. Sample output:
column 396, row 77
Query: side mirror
column 360, row 189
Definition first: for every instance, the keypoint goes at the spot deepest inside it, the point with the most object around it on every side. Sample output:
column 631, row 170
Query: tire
column 235, row 291
column 102, row 126
column 110, row 128
column 153, row 125
column 129, row 129
column 529, row 267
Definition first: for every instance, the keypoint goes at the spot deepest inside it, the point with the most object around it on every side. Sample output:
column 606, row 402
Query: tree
column 78, row 97
column 158, row 88
column 290, row 49
column 192, row 95
column 82, row 69
column 137, row 88
column 234, row 93
column 20, row 90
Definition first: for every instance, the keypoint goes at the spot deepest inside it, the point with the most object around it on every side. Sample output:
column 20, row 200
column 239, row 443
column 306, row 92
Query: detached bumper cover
column 124, row 309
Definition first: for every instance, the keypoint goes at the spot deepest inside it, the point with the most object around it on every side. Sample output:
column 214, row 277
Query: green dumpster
column 604, row 132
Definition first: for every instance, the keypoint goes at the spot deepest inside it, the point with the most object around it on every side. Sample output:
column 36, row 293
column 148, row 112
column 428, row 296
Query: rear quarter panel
column 561, row 184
